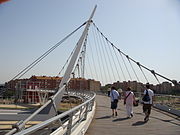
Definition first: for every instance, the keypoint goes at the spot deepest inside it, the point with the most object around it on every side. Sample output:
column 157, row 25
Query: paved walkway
column 103, row 124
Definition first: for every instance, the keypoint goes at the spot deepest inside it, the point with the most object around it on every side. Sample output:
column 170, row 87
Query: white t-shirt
column 114, row 95
column 151, row 94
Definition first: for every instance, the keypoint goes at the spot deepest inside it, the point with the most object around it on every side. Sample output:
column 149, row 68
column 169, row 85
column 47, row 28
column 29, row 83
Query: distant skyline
column 146, row 30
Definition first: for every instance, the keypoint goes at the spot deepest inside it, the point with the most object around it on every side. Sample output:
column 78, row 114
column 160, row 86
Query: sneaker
column 131, row 115
column 116, row 114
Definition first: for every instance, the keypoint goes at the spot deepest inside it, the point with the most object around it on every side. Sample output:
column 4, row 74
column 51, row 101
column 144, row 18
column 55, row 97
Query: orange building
column 30, row 89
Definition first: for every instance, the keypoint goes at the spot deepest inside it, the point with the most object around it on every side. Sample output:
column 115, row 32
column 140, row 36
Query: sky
column 146, row 30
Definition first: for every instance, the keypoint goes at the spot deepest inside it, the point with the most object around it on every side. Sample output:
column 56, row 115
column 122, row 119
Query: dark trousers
column 147, row 108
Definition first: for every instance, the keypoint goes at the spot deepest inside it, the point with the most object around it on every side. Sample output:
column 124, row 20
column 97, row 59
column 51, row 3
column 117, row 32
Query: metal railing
column 66, row 122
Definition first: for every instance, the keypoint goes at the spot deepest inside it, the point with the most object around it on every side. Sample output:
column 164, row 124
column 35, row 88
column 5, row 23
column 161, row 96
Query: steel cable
column 173, row 81
column 25, row 70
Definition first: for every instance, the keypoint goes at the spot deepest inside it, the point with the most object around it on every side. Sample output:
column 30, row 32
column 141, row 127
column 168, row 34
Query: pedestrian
column 109, row 90
column 147, row 101
column 114, row 96
column 129, row 99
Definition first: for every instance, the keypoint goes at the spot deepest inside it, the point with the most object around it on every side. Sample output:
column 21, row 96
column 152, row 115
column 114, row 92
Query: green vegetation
column 161, row 98
column 104, row 89
column 173, row 102
column 66, row 106
column 9, row 93
column 68, row 103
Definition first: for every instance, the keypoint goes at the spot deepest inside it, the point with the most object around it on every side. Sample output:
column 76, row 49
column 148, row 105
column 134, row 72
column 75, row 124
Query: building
column 33, row 90
column 78, row 84
column 136, row 86
column 93, row 85
column 166, row 87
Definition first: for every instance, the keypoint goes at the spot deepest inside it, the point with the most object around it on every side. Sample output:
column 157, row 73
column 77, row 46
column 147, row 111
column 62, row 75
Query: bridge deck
column 103, row 124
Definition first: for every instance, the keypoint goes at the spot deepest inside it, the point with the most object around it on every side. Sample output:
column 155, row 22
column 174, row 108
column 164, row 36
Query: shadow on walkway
column 104, row 117
column 169, row 121
column 138, row 123
column 120, row 119
column 103, row 106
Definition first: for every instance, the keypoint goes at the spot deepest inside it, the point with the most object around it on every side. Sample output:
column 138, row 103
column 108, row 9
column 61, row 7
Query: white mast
column 51, row 105
column 58, row 96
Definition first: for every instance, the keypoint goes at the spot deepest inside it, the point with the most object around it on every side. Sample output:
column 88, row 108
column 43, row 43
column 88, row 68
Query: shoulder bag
column 126, row 98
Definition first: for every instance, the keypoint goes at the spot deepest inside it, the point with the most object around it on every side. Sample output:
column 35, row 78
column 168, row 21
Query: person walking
column 114, row 96
column 147, row 101
column 129, row 99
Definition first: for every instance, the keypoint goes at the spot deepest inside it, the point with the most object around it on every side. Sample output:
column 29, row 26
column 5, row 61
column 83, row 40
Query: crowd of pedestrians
column 130, row 101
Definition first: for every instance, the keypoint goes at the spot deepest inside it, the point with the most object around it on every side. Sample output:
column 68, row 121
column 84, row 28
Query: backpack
column 146, row 97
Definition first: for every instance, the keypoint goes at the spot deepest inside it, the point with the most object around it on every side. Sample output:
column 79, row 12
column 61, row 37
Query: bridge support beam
column 58, row 96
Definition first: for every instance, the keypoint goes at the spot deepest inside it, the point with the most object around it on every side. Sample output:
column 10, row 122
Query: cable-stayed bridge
column 94, row 57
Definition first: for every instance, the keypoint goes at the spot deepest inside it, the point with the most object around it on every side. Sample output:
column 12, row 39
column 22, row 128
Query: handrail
column 90, row 96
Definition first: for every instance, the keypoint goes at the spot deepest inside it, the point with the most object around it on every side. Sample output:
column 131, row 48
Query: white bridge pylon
column 50, row 107
column 58, row 96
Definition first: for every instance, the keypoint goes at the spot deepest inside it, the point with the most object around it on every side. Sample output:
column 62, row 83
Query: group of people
column 129, row 101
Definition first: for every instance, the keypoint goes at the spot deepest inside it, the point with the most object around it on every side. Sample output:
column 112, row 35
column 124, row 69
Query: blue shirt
column 114, row 95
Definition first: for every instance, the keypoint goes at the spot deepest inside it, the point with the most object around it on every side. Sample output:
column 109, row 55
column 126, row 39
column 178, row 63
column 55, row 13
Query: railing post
column 16, row 125
column 80, row 113
column 92, row 104
column 69, row 127
column 86, row 111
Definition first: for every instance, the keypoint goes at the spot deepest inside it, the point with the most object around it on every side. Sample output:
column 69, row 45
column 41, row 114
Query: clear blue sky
column 147, row 30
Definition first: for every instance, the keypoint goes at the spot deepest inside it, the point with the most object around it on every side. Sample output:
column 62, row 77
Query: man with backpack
column 147, row 101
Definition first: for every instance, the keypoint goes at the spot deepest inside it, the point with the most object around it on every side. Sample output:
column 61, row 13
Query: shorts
column 147, row 107
column 114, row 105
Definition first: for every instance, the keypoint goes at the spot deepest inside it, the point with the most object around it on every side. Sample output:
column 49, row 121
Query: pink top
column 130, row 98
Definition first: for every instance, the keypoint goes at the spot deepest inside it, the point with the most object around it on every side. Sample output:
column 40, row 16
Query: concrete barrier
column 167, row 109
